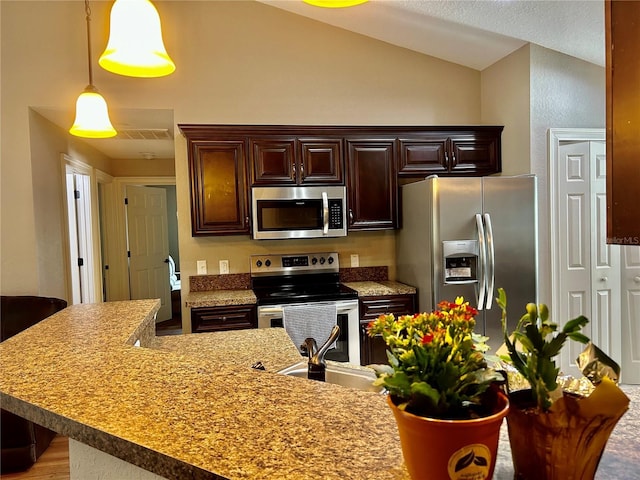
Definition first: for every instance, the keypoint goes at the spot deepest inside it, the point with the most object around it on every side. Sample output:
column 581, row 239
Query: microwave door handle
column 325, row 213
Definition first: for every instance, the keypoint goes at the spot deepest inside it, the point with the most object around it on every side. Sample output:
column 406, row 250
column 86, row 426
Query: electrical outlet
column 202, row 267
column 355, row 260
column 224, row 266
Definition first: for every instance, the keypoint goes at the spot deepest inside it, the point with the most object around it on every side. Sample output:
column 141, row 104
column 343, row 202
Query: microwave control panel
column 335, row 214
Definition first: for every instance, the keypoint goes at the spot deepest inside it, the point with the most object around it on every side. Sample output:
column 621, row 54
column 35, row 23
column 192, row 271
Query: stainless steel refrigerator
column 468, row 237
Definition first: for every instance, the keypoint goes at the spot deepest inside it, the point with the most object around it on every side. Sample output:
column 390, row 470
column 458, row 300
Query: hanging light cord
column 88, row 10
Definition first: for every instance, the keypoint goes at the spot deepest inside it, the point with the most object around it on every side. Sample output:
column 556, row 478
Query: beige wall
column 245, row 62
column 505, row 101
column 238, row 62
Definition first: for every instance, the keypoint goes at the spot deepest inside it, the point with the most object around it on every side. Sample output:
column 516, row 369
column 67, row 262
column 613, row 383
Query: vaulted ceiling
column 472, row 33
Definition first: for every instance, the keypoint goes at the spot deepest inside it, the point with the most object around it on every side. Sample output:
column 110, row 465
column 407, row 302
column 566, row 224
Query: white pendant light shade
column 135, row 47
column 334, row 3
column 92, row 116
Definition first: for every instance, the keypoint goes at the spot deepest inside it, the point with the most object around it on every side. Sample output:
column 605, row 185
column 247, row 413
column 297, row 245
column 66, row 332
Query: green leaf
column 425, row 390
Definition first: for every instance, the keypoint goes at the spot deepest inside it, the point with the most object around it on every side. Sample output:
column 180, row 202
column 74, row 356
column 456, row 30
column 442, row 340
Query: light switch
column 355, row 260
column 202, row 267
column 224, row 266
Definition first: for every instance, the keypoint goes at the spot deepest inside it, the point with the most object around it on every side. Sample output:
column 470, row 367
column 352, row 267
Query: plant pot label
column 471, row 462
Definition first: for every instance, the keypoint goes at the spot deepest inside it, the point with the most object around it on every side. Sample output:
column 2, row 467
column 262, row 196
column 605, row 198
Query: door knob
column 636, row 279
column 603, row 279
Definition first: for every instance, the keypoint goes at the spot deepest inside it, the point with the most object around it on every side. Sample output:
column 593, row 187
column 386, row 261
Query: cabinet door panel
column 422, row 157
column 272, row 161
column 219, row 200
column 373, row 192
column 374, row 349
column 623, row 121
column 321, row 161
column 475, row 155
column 208, row 319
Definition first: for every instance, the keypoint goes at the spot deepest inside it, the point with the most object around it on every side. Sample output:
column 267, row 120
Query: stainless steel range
column 309, row 278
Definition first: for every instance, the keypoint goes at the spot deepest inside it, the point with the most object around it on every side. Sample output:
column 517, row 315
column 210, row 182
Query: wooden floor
column 53, row 464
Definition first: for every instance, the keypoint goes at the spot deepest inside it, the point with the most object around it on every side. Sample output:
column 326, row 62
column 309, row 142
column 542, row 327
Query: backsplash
column 364, row 274
column 232, row 281
column 242, row 281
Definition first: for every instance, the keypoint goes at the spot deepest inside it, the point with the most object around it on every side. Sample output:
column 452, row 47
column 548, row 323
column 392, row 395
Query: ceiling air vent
column 144, row 134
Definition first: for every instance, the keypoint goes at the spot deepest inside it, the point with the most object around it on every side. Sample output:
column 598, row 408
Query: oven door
column 348, row 343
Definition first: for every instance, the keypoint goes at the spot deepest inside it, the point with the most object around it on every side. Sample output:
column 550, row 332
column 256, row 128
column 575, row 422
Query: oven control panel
column 274, row 264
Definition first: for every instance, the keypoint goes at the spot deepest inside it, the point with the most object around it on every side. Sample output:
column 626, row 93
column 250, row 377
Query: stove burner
column 283, row 279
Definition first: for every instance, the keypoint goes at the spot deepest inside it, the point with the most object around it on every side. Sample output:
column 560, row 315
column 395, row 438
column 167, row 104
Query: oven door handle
column 276, row 312
column 325, row 213
column 272, row 312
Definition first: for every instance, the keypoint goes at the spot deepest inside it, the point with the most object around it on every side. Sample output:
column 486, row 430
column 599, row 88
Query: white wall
column 562, row 92
column 565, row 93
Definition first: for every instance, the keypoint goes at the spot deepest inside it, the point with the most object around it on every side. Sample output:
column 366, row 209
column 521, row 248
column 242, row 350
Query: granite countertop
column 191, row 406
column 378, row 288
column 215, row 298
column 182, row 411
column 220, row 297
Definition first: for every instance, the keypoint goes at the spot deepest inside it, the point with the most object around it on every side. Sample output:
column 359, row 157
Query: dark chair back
column 23, row 441
column 17, row 313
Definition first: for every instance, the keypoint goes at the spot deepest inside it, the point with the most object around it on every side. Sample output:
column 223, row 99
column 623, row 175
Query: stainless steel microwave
column 299, row 212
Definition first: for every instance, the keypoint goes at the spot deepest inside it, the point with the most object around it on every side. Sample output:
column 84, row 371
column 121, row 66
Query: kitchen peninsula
column 191, row 406
column 180, row 413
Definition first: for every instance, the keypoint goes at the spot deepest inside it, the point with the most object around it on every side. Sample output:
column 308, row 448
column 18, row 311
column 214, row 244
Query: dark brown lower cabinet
column 373, row 349
column 229, row 317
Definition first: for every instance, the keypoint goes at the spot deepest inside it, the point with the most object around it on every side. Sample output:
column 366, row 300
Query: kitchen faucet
column 317, row 364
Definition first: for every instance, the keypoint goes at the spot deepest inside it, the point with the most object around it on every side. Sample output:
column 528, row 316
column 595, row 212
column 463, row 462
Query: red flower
column 427, row 338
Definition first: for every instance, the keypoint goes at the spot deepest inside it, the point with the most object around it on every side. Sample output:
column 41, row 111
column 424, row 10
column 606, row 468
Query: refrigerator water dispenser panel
column 460, row 261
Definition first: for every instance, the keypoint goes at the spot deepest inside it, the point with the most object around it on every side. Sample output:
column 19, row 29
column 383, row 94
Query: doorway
column 133, row 233
column 82, row 235
column 589, row 276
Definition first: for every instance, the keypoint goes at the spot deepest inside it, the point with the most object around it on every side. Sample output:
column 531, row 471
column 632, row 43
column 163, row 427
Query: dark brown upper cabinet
column 622, row 33
column 372, row 184
column 218, row 184
column 225, row 160
column 296, row 161
column 450, row 151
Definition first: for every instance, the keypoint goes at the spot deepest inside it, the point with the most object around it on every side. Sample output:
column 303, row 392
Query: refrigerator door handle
column 482, row 257
column 491, row 261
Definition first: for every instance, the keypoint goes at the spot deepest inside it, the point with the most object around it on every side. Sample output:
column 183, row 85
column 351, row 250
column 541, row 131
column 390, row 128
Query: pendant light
column 92, row 115
column 334, row 3
column 135, row 47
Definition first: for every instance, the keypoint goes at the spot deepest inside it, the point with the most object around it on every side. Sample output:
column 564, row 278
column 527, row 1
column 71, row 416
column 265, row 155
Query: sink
column 351, row 376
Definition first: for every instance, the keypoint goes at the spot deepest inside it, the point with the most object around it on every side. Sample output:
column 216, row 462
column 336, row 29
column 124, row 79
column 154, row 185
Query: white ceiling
column 472, row 33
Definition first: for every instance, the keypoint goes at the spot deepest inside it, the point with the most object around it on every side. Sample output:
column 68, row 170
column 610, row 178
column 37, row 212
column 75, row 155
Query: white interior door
column 81, row 255
column 631, row 313
column 148, row 246
column 590, row 272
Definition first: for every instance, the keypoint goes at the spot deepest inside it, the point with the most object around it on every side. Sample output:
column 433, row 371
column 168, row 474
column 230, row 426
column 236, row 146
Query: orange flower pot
column 436, row 449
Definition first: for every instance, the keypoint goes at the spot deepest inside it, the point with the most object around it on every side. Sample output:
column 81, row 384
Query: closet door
column 589, row 268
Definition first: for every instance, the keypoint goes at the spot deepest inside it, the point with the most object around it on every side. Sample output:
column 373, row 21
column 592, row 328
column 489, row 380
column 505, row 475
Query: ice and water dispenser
column 460, row 261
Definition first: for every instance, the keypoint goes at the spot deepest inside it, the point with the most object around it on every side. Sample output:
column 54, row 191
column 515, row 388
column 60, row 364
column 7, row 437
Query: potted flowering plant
column 441, row 388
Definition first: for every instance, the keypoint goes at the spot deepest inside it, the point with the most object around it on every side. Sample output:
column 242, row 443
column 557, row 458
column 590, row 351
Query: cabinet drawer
column 209, row 319
column 372, row 307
